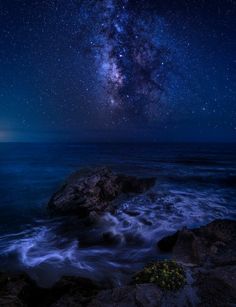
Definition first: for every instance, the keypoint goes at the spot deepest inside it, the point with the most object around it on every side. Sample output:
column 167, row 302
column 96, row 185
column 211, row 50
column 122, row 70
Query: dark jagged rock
column 111, row 239
column 213, row 244
column 130, row 296
column 167, row 243
column 91, row 191
column 212, row 249
column 143, row 295
column 211, row 283
column 217, row 287
column 16, row 290
column 72, row 291
column 19, row 290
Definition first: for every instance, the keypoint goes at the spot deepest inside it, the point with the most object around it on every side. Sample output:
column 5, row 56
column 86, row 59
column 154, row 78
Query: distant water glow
column 4, row 136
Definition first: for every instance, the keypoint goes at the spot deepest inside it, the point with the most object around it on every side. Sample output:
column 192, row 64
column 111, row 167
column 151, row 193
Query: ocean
column 196, row 183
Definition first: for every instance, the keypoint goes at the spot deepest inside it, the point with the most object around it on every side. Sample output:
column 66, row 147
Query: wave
column 118, row 244
column 226, row 181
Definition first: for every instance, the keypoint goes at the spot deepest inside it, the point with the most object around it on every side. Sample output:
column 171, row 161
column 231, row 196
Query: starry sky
column 118, row 70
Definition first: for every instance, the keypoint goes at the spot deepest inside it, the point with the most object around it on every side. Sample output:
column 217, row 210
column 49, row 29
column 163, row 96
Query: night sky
column 118, row 70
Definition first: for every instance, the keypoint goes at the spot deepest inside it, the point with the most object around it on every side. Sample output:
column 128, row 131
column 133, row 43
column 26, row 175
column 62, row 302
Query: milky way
column 126, row 69
column 133, row 64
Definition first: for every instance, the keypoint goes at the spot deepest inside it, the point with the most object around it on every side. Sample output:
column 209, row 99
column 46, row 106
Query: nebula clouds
column 133, row 64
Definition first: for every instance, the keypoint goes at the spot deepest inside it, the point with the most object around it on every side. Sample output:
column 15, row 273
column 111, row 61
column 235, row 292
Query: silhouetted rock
column 18, row 290
column 73, row 292
column 143, row 295
column 110, row 238
column 214, row 243
column 212, row 248
column 211, row 282
column 217, row 287
column 130, row 296
column 93, row 191
column 167, row 243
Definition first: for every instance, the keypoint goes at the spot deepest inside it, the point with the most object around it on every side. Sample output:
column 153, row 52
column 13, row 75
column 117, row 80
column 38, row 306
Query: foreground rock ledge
column 95, row 190
column 18, row 290
column 210, row 245
column 212, row 251
column 211, row 283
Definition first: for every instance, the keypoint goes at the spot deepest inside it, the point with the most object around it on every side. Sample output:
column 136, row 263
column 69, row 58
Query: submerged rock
column 213, row 244
column 110, row 238
column 90, row 191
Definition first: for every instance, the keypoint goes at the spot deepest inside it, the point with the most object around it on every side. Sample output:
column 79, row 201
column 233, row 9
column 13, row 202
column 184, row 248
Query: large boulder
column 93, row 191
column 213, row 244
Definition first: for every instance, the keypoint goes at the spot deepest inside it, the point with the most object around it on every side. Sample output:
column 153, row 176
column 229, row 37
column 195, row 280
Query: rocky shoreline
column 204, row 258
column 95, row 191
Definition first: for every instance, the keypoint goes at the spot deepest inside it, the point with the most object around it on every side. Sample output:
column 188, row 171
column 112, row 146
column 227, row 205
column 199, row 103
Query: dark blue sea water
column 196, row 183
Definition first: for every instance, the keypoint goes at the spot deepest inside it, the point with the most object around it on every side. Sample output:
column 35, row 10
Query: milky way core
column 133, row 62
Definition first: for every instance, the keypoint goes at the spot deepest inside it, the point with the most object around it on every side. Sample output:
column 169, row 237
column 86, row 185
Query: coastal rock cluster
column 210, row 251
column 94, row 191
column 202, row 260
column 210, row 245
column 210, row 277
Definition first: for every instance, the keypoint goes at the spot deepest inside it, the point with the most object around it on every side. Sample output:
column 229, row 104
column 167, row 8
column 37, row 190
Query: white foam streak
column 136, row 226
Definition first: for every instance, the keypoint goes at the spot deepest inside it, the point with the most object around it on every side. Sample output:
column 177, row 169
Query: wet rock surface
column 210, row 273
column 94, row 191
column 217, row 287
column 129, row 296
column 213, row 244
column 77, row 292
column 211, row 249
column 72, row 291
column 15, row 289
column 19, row 290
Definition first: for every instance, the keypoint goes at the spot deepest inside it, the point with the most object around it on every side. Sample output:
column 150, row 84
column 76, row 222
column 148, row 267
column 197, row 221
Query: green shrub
column 166, row 274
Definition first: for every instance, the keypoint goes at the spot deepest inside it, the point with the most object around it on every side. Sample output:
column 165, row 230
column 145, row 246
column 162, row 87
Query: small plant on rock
column 166, row 274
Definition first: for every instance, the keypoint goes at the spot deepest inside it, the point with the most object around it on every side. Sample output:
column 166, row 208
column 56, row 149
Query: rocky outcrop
column 72, row 291
column 15, row 289
column 18, row 290
column 212, row 251
column 145, row 294
column 210, row 282
column 95, row 190
column 213, row 244
column 217, row 287
column 130, row 296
